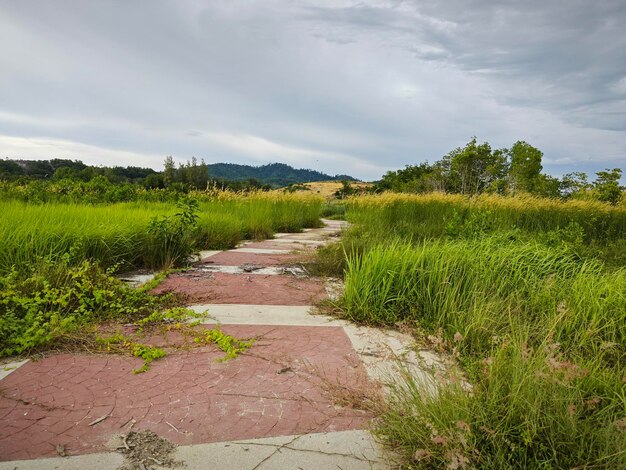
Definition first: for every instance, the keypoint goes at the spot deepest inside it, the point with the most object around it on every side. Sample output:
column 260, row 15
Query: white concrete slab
column 269, row 270
column 300, row 241
column 261, row 251
column 9, row 367
column 354, row 450
column 102, row 461
column 208, row 253
column 234, row 314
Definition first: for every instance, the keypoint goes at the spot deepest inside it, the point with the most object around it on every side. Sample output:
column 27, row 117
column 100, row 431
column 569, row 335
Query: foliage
column 477, row 169
column 274, row 174
column 423, row 217
column 172, row 236
column 505, row 285
column 607, row 186
column 118, row 234
column 473, row 168
column 143, row 351
column 228, row 344
column 54, row 298
column 525, row 167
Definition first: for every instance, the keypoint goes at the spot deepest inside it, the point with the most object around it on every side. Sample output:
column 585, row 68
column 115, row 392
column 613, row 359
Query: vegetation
column 53, row 299
column 133, row 235
column 477, row 169
column 57, row 259
column 519, row 290
column 274, row 174
column 130, row 183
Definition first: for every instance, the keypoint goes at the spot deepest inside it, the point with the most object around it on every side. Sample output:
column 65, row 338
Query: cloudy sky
column 357, row 87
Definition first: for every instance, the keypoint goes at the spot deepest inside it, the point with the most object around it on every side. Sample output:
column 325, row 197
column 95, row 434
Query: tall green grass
column 594, row 229
column 118, row 233
column 429, row 215
column 541, row 333
column 516, row 289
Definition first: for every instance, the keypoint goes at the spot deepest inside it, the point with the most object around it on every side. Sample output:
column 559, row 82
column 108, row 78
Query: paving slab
column 222, row 288
column 9, row 367
column 316, row 451
column 289, row 246
column 262, row 251
column 254, row 269
column 236, row 314
column 278, row 388
column 344, row 449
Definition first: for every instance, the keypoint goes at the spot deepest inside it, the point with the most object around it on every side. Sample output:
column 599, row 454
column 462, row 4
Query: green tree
column 607, row 185
column 473, row 168
column 525, row 167
column 169, row 171
column 575, row 184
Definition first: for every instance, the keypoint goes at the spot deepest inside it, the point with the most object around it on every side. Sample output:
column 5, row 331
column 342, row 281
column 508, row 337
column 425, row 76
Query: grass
column 117, row 234
column 56, row 259
column 520, row 292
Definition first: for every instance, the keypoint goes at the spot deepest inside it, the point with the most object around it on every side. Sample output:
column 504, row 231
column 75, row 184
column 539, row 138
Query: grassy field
column 56, row 259
column 119, row 233
column 529, row 295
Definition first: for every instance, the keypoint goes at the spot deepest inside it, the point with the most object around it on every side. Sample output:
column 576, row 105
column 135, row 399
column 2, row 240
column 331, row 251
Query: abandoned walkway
column 291, row 401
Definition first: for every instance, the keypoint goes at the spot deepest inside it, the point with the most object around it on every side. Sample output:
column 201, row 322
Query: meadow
column 528, row 294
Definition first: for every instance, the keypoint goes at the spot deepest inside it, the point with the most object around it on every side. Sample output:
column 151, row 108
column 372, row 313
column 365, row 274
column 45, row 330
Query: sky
column 348, row 87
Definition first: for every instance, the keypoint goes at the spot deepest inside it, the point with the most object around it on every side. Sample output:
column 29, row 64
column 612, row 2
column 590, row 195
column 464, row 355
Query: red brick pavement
column 186, row 397
column 258, row 289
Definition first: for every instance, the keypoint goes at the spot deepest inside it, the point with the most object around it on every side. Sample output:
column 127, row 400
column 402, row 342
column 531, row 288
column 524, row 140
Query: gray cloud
column 350, row 87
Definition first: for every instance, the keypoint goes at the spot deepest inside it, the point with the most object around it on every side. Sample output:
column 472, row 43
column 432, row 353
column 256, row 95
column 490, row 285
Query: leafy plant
column 54, row 299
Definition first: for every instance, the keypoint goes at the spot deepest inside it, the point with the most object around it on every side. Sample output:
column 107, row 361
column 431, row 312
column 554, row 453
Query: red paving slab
column 258, row 289
column 186, row 397
column 234, row 258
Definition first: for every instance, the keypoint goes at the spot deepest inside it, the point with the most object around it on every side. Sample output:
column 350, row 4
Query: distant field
column 327, row 189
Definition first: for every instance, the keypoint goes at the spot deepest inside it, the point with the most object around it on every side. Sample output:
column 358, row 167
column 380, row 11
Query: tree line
column 192, row 175
column 477, row 168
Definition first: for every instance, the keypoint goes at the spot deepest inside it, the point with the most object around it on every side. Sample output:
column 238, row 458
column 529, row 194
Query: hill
column 275, row 174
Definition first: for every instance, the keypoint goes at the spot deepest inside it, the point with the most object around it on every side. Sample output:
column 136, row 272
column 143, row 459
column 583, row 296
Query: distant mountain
column 275, row 174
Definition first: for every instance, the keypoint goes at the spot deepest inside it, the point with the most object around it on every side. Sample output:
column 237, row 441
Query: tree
column 169, row 171
column 607, row 185
column 412, row 179
column 471, row 169
column 574, row 184
column 525, row 167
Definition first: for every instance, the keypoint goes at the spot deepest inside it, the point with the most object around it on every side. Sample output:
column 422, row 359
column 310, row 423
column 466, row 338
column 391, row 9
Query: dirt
column 146, row 450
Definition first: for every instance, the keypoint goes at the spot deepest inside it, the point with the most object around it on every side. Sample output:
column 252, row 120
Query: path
column 291, row 401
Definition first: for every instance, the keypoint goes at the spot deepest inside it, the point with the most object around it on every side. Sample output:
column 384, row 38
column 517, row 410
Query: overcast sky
column 357, row 87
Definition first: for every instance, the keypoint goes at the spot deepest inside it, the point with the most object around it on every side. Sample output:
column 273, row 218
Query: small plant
column 55, row 299
column 143, row 351
column 173, row 241
column 228, row 344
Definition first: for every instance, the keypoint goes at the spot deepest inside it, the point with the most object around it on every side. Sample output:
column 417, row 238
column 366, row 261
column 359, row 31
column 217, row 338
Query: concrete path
column 294, row 400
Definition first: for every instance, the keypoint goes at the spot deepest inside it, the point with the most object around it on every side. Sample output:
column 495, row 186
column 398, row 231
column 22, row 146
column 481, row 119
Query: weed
column 228, row 344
